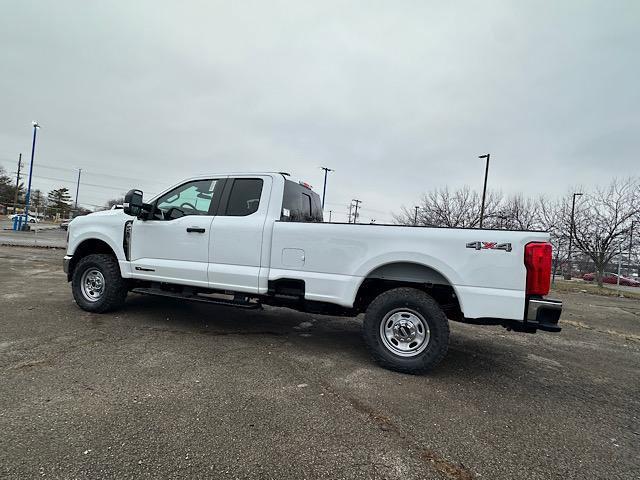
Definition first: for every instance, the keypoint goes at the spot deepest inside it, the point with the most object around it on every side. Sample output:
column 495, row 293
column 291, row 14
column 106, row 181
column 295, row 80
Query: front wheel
column 97, row 284
column 406, row 330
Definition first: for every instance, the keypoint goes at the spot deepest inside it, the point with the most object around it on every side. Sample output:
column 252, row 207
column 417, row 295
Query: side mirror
column 133, row 203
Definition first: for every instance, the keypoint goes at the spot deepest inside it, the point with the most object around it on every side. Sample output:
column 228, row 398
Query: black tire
column 114, row 289
column 417, row 305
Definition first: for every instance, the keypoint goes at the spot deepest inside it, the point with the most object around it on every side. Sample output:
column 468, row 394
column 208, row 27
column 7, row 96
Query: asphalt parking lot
column 41, row 234
column 167, row 389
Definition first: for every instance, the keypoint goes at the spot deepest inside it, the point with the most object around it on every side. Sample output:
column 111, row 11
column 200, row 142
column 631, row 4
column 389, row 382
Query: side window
column 245, row 197
column 192, row 198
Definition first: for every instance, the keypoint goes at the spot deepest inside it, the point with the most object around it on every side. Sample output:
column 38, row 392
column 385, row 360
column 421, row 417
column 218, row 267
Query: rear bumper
column 543, row 314
column 539, row 314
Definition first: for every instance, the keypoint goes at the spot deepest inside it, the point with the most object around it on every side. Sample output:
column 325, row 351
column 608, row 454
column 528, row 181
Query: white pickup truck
column 251, row 239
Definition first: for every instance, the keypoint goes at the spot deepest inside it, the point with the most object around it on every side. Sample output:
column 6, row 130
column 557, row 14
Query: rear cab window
column 300, row 204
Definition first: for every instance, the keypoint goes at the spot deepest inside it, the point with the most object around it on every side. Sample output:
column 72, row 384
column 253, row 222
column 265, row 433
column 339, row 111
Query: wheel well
column 87, row 247
column 413, row 275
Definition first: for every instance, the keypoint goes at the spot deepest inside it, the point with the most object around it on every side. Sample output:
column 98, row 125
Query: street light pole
column 33, row 151
column 324, row 189
column 484, row 189
column 572, row 229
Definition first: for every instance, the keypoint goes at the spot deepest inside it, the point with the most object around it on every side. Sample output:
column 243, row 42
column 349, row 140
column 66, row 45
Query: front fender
column 110, row 233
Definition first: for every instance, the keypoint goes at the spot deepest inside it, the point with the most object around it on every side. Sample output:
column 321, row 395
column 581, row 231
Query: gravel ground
column 168, row 389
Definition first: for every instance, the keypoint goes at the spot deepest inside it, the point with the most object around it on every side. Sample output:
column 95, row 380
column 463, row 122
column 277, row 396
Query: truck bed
column 334, row 259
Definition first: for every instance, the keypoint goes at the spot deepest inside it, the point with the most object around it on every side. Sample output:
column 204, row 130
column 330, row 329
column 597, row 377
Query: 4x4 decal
column 490, row 246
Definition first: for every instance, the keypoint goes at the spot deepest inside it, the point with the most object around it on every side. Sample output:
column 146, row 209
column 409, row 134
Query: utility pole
column 415, row 217
column 324, row 189
column 619, row 267
column 572, row 229
column 28, row 197
column 484, row 189
column 630, row 247
column 15, row 195
column 77, row 190
column 350, row 207
column 355, row 214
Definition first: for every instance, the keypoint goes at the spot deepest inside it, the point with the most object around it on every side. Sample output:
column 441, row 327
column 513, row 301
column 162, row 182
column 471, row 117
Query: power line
column 84, row 184
column 108, row 187
column 88, row 172
column 367, row 209
column 91, row 172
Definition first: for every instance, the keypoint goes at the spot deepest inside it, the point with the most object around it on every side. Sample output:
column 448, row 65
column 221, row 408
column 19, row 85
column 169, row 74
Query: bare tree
column 633, row 248
column 114, row 201
column 602, row 218
column 517, row 213
column 456, row 209
column 602, row 221
column 552, row 218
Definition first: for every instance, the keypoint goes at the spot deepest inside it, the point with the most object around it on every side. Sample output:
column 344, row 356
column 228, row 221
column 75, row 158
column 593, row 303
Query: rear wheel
column 406, row 330
column 97, row 284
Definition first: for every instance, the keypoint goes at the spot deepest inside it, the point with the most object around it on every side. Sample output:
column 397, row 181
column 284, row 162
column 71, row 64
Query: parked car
column 244, row 240
column 30, row 219
column 64, row 225
column 612, row 278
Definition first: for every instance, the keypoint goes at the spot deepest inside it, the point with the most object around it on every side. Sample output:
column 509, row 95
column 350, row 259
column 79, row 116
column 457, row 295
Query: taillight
column 537, row 259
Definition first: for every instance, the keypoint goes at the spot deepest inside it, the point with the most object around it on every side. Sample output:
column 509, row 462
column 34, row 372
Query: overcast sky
column 398, row 97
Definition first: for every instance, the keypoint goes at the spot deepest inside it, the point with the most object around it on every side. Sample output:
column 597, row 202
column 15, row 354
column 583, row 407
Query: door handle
column 195, row 229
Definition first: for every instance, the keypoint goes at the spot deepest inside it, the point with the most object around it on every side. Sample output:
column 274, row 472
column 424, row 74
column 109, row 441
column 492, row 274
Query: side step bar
column 199, row 298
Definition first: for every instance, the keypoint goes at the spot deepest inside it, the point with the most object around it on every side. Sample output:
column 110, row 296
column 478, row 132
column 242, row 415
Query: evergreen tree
column 7, row 187
column 60, row 201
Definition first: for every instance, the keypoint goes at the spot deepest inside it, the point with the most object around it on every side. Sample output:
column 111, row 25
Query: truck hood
column 104, row 213
column 97, row 217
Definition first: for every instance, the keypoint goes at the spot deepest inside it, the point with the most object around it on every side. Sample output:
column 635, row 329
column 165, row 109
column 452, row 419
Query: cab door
column 236, row 240
column 173, row 246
